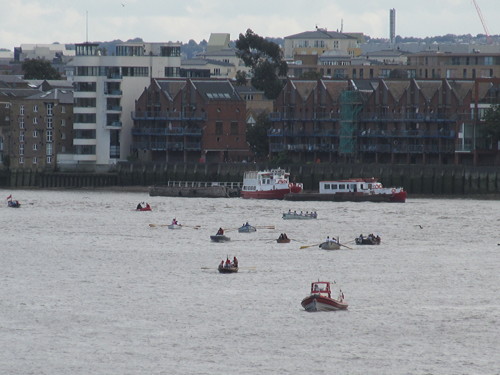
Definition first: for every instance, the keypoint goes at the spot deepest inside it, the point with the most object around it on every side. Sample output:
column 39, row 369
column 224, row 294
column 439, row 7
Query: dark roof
column 61, row 95
column 216, row 90
column 247, row 89
column 171, row 87
column 17, row 93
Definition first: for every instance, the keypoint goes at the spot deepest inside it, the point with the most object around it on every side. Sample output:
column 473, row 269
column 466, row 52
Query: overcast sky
column 64, row 21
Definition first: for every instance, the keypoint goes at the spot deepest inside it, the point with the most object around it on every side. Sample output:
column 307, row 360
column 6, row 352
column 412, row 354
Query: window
column 234, row 128
column 49, row 149
column 87, row 71
column 49, row 109
column 216, row 72
column 85, row 87
column 21, row 137
column 21, row 123
column 172, row 71
column 63, row 122
column 63, row 109
column 85, row 102
column 49, row 159
column 135, row 71
column 49, row 135
column 218, row 128
column 35, row 147
column 35, row 160
column 35, row 108
column 35, row 120
column 21, row 149
column 63, row 135
column 21, row 109
column 35, row 133
column 488, row 60
column 21, row 160
column 49, row 122
column 86, row 118
column 170, row 51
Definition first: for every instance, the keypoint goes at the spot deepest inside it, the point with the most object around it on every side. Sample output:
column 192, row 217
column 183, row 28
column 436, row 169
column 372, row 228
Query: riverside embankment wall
column 416, row 179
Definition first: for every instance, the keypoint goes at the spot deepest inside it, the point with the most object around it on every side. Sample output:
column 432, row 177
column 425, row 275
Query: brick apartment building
column 190, row 120
column 385, row 121
column 41, row 128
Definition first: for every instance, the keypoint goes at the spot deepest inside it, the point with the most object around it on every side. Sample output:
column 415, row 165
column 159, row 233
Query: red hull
column 399, row 197
column 271, row 194
column 268, row 194
column 320, row 303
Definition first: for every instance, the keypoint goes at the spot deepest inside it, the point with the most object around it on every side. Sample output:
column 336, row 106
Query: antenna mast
column 86, row 26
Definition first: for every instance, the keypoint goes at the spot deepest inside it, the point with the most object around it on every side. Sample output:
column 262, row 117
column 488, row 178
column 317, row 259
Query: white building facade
column 106, row 88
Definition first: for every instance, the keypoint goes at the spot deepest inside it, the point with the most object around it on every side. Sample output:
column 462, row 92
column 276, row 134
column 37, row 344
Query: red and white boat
column 321, row 299
column 273, row 184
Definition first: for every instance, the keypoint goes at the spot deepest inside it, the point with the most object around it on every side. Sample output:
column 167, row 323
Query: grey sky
column 64, row 21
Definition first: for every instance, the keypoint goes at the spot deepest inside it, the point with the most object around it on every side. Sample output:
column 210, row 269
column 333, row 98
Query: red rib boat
column 320, row 298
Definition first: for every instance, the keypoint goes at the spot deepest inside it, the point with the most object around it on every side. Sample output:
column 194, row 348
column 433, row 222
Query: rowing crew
column 228, row 263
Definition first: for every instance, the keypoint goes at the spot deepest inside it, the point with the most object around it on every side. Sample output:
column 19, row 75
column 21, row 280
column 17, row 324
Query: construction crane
column 480, row 14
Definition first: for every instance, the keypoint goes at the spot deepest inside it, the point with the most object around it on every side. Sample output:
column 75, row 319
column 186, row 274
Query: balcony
column 164, row 146
column 279, row 116
column 113, row 92
column 114, row 124
column 175, row 131
column 167, row 116
column 297, row 133
column 407, row 117
column 192, row 146
column 450, row 134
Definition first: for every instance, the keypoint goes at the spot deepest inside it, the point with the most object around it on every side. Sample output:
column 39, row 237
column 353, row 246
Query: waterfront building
column 37, row 127
column 385, row 121
column 190, row 120
column 106, row 87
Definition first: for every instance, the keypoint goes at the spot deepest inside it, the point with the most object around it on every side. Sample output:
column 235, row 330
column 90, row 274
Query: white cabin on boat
column 274, row 179
column 355, row 185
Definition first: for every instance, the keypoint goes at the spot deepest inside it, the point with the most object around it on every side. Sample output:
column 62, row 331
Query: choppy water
column 87, row 287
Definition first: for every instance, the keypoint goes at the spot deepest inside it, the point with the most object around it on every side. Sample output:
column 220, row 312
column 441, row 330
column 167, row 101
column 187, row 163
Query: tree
column 257, row 136
column 39, row 69
column 492, row 121
column 241, row 78
column 265, row 59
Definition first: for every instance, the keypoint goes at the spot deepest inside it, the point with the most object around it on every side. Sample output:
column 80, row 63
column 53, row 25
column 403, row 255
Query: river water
column 88, row 287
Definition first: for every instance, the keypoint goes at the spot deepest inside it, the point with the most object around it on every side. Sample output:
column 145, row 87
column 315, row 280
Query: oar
column 350, row 248
column 158, row 225
column 306, row 246
column 191, row 226
column 265, row 227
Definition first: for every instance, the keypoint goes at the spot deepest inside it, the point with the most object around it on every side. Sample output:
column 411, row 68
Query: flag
column 9, row 197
